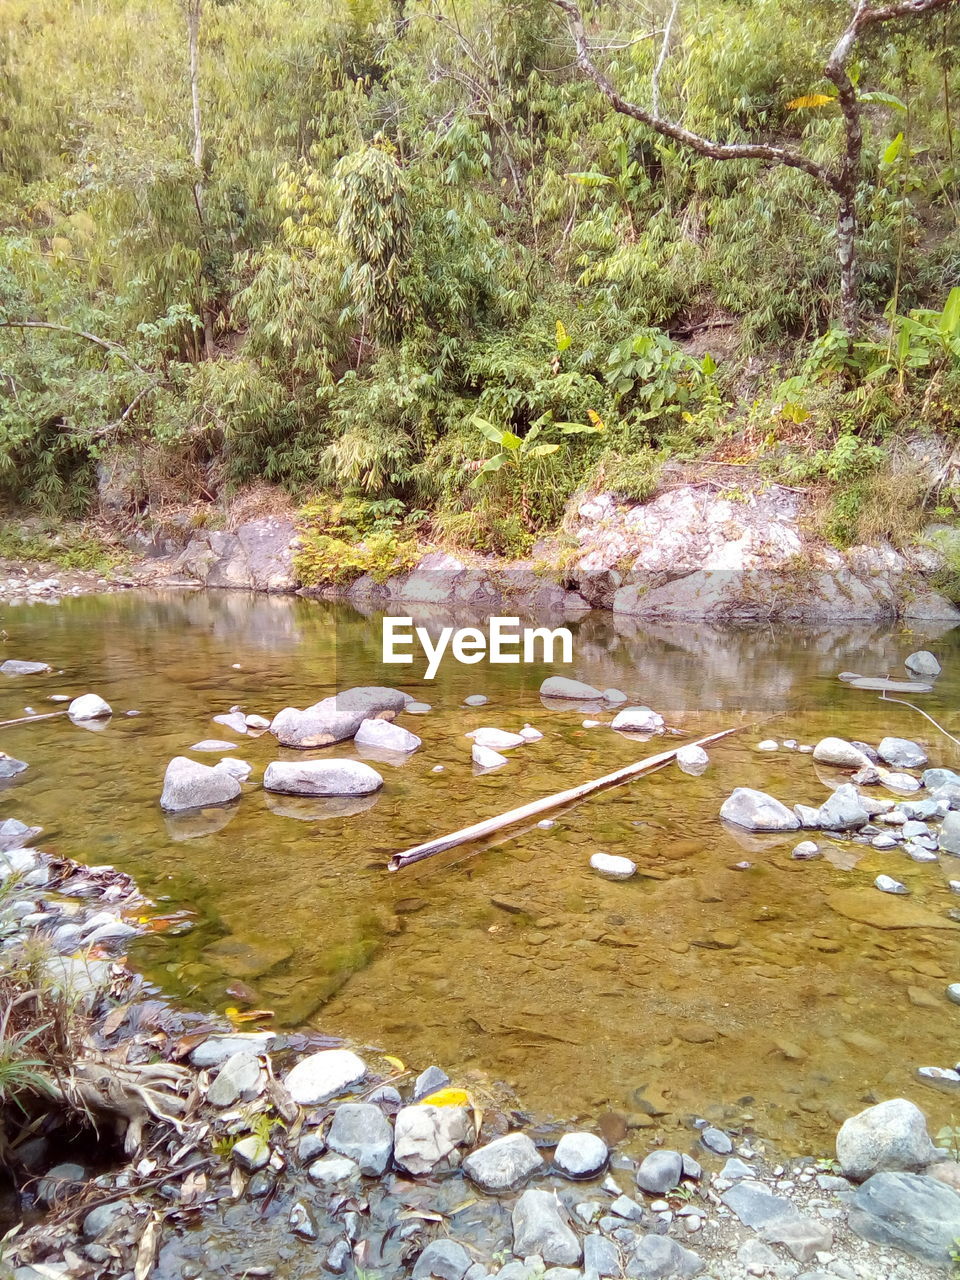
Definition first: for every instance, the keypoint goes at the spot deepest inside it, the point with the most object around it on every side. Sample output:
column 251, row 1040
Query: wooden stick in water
column 47, row 715
column 490, row 825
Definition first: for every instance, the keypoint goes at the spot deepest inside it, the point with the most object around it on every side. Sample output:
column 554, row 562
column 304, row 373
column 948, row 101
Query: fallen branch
column 490, row 825
column 936, row 725
column 47, row 715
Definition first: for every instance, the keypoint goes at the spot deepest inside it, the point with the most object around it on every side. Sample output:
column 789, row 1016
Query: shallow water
column 695, row 988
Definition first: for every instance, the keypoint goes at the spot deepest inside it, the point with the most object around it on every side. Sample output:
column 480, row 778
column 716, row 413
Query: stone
column 901, row 753
column 758, row 1258
column 115, row 931
column 908, row 1211
column 476, row 700
column 310, row 1146
column 213, row 744
column 581, row 1155
column 885, row 911
column 387, row 736
column 903, row 782
column 807, row 816
column 503, row 1164
column 339, row 1257
column 923, row 663
column 329, row 1170
column 843, row 810
column 337, row 718
column 637, row 720
column 660, row 1258
column 99, row 1220
column 429, row 1081
column 259, row 723
column 302, row 1222
column 426, row 1138
column 692, row 760
column 803, row 1237
column 660, row 1172
column 839, row 752
column 10, row 767
column 61, row 1181
column 485, row 758
column 540, row 1226
column 575, row 690
column 756, row 1206
column 187, row 784
column 600, row 1255
column 15, row 834
column 238, row 769
column 932, row 779
column 805, row 850
column 418, row 708
column 756, row 811
column 89, row 706
column 496, row 739
column 768, row 744
column 234, row 720
column 215, row 1051
column 612, row 866
column 736, row 1168
column 953, row 992
column 251, row 1153
column 444, row 1259
column 238, row 1080
column 614, row 695
column 361, row 1132
column 884, row 841
column 529, row 734
column 891, row 1136
column 716, row 1140
column 14, row 667
column 950, row 833
column 324, row 1075
column 337, row 777
column 887, row 884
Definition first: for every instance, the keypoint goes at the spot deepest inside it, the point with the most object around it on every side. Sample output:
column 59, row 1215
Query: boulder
column 908, row 1211
column 335, row 719
column 901, row 753
column 427, row 1138
column 843, row 810
column 361, row 1132
column 496, row 739
column 89, row 706
column 660, row 1172
column 637, row 720
column 950, row 833
column 839, row 752
column 13, row 667
column 581, row 1155
column 442, row 1259
column 258, row 555
column 321, row 778
column 386, row 736
column 563, row 687
column 187, row 784
column 756, row 811
column 503, row 1164
column 660, row 1258
column 891, row 1136
column 922, row 663
column 324, row 1075
column 541, row 1227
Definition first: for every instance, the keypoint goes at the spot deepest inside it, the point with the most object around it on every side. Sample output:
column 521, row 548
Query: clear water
column 695, row 987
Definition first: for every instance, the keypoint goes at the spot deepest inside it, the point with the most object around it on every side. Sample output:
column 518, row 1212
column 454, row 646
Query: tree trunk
column 847, row 256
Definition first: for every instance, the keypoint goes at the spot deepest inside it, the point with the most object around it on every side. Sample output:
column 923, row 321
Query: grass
column 67, row 546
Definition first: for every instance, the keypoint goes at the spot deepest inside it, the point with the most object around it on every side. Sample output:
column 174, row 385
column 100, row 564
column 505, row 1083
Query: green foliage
column 67, row 546
column 340, row 542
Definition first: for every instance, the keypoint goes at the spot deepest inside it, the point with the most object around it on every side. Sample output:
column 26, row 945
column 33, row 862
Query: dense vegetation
column 418, row 242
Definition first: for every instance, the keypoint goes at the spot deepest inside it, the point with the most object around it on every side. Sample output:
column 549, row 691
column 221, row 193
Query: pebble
column 612, row 866
column 805, row 850
column 887, row 884
column 768, row 744
column 476, row 700
column 716, row 1140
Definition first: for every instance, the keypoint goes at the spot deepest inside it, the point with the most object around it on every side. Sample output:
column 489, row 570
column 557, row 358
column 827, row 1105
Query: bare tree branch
column 113, row 347
column 664, row 49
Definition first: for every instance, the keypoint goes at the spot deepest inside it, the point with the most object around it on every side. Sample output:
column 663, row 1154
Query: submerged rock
column 891, row 1136
column 14, row 667
column 387, row 736
column 485, row 758
column 213, row 744
column 337, row 718
column 187, row 784
column 563, row 687
column 496, row 739
column 89, row 706
column 10, row 766
column 884, row 910
column 756, row 811
column 321, row 778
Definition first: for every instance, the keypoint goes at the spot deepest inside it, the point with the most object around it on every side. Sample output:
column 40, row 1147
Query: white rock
column 487, row 759
column 529, row 734
column 887, row 884
column 238, row 769
column 768, row 744
column 563, row 687
column 590, row 724
column 839, row 752
column 331, row 777
column 213, row 744
column 612, row 866
column 756, row 811
column 387, row 736
column 256, row 722
column 614, row 695
column 692, row 759
column 324, row 1075
column 418, row 708
column 496, row 739
column 89, row 706
column 637, row 720
column 476, row 700
column 923, row 663
column 187, row 784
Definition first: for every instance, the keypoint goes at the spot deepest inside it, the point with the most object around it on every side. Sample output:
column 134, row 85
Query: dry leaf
column 113, row 1021
column 147, row 1248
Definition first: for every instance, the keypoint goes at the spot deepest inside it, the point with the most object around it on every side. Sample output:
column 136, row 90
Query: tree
column 841, row 178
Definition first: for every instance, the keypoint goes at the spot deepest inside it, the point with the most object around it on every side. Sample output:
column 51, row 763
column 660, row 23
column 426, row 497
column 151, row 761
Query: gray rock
column 950, row 833
column 503, row 1164
column 477, row 700
column 600, row 1255
column 311, row 1146
column 115, row 931
column 10, row 767
column 99, row 1220
column 251, row 1153
column 321, row 778
column 429, row 1081
column 757, row 811
column 660, row 1172
column 361, row 1132
column 843, row 810
column 238, row 1080
column 759, row 1256
column 736, row 1168
column 932, row 779
column 329, row 1170
column 215, row 1051
column 15, row 834
column 562, row 687
column 486, row 757
column 660, row 1258
column 901, row 753
column 61, row 1181
column 908, row 1211
column 302, row 1222
column 234, row 720
column 13, row 667
column 692, row 760
column 444, row 1259
column 238, row 769
column 338, row 1258
column 187, row 784
column 756, row 1206
column 324, row 1075
column 887, row 884
column 387, row 737
column 805, row 850
column 884, row 841
column 716, row 1140
column 807, row 816
column 427, row 1138
column 906, row 783
column 891, row 1136
column 804, row 1237
column 637, row 720
column 581, row 1155
column 540, row 1226
column 839, row 752
column 337, row 718
column 922, row 663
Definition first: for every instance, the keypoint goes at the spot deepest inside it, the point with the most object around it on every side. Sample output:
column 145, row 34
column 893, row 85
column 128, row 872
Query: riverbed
column 717, row 982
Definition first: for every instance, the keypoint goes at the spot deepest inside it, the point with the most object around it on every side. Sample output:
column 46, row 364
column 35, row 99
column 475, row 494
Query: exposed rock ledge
column 690, row 552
